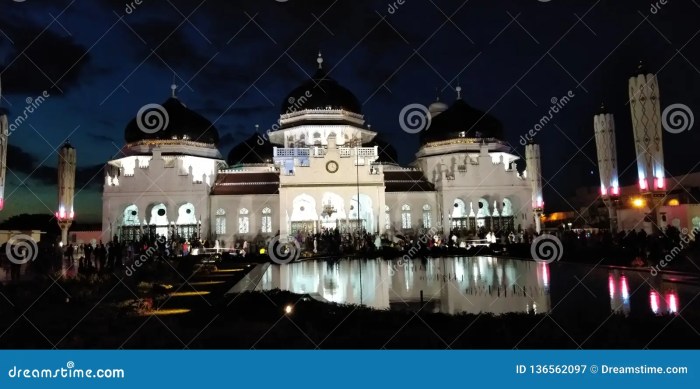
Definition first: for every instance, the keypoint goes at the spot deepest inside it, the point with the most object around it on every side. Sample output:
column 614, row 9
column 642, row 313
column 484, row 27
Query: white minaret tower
column 4, row 135
column 646, row 122
column 66, row 189
column 604, row 127
column 534, row 176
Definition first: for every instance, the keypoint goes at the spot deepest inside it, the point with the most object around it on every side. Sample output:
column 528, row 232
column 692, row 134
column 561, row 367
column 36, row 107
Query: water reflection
column 448, row 285
column 663, row 295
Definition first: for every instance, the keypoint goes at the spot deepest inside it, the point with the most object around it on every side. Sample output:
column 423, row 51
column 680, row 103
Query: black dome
column 182, row 124
column 320, row 92
column 387, row 152
column 462, row 121
column 256, row 149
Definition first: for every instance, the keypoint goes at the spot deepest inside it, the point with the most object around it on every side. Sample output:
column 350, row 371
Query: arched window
column 131, row 216
column 243, row 221
column 405, row 216
column 427, row 216
column 220, row 221
column 387, row 218
column 266, row 225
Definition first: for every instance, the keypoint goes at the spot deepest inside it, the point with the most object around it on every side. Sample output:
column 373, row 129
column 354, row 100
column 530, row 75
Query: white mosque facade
column 322, row 168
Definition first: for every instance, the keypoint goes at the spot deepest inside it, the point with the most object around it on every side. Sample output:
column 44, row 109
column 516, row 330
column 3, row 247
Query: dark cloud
column 103, row 138
column 36, row 58
column 21, row 163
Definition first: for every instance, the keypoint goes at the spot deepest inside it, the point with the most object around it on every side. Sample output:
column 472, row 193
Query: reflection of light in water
column 654, row 301
column 459, row 270
column 624, row 287
column 611, row 285
column 475, row 272
column 545, row 274
column 672, row 302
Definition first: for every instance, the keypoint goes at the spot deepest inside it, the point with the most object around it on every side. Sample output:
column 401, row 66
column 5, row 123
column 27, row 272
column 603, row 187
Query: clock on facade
column 332, row 166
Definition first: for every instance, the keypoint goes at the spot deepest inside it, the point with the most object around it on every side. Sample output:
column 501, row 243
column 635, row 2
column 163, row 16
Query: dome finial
column 459, row 92
column 437, row 94
column 173, row 87
column 257, row 128
column 320, row 60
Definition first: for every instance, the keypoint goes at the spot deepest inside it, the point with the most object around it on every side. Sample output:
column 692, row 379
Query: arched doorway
column 304, row 216
column 365, row 218
column 332, row 211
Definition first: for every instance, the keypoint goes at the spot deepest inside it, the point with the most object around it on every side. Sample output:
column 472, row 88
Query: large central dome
column 462, row 121
column 320, row 92
column 173, row 122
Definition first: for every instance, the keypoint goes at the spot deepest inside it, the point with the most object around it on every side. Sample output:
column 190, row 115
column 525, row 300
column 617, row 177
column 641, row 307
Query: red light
column 616, row 190
column 672, row 302
column 660, row 183
column 654, row 301
column 643, row 184
column 611, row 285
column 603, row 191
column 2, row 203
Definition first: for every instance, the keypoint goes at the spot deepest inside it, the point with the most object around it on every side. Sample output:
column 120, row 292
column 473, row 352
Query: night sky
column 235, row 61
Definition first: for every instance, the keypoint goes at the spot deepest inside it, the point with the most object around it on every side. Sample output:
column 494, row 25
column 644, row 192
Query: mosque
column 321, row 167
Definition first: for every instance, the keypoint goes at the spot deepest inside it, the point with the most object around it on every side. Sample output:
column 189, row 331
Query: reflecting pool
column 481, row 285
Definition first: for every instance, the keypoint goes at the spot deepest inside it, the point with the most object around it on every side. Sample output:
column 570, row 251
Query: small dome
column 462, row 121
column 320, row 92
column 179, row 123
column 437, row 108
column 256, row 149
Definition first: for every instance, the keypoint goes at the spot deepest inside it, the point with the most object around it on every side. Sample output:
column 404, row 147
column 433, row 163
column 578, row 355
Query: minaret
column 534, row 175
column 4, row 134
column 646, row 122
column 604, row 128
column 66, row 189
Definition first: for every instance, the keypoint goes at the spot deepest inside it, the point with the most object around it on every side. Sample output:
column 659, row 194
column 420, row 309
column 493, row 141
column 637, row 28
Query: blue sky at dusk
column 235, row 61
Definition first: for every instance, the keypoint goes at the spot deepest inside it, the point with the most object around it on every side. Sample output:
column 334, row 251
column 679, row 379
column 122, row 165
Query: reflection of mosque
column 448, row 285
column 321, row 167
